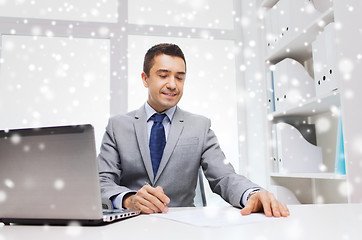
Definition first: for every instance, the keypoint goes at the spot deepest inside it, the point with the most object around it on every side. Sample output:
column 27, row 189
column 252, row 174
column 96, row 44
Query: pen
column 148, row 184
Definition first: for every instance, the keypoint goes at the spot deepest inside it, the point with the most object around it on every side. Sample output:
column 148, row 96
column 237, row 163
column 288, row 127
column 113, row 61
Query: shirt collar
column 150, row 111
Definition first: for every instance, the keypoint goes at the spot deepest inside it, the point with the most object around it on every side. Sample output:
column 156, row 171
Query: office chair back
column 200, row 197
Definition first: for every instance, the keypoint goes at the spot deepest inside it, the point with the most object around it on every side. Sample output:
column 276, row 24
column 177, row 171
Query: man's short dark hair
column 163, row 48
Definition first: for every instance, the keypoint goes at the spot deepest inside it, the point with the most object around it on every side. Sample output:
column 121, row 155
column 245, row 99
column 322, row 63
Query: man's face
column 165, row 82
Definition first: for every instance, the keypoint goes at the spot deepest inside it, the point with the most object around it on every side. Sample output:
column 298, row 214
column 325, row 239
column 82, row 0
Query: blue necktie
column 157, row 141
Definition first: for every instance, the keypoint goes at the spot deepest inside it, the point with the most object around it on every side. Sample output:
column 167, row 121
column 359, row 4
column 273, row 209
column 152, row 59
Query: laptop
column 50, row 176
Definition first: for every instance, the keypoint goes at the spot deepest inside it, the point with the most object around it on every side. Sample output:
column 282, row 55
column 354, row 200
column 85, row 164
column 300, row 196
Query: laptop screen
column 49, row 173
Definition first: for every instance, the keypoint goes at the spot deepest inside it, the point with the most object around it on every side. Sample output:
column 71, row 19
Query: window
column 182, row 13
column 80, row 10
column 54, row 81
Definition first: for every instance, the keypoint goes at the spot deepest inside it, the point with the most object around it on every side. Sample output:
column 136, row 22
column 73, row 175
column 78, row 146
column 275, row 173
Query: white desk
column 307, row 222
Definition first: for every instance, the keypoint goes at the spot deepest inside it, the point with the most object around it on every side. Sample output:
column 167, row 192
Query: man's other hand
column 263, row 201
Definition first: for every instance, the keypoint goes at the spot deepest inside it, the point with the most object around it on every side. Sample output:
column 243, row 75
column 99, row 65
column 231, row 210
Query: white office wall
column 54, row 81
column 210, row 86
column 182, row 13
column 348, row 17
column 255, row 97
column 80, row 10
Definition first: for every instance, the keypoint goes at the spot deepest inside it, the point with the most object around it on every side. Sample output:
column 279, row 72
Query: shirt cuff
column 245, row 196
column 117, row 200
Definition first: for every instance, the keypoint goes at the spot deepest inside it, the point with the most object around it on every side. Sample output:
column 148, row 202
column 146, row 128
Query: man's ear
column 144, row 79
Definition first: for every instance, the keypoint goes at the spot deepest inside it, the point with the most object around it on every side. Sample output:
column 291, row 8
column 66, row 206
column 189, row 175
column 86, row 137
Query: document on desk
column 213, row 216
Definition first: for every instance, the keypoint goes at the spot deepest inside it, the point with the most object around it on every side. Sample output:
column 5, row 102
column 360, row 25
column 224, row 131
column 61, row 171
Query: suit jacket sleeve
column 109, row 170
column 220, row 174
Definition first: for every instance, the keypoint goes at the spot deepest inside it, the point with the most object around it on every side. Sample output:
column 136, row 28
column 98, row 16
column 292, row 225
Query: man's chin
column 167, row 105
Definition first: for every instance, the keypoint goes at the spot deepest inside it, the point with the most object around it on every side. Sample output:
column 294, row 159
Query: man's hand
column 148, row 199
column 264, row 201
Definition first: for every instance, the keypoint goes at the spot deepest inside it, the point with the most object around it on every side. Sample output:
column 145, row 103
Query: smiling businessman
column 150, row 157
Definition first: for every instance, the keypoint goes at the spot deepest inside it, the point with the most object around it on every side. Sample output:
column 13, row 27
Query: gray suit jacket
column 125, row 162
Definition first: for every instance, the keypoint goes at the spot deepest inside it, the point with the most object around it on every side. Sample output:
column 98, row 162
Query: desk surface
column 334, row 221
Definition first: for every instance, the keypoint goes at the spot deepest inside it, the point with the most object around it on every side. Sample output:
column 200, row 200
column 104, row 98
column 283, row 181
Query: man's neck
column 150, row 111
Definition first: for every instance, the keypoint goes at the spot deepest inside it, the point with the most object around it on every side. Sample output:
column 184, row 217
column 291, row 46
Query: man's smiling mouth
column 170, row 94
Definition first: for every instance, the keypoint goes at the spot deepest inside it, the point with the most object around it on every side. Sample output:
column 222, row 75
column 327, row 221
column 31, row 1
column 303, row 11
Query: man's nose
column 171, row 84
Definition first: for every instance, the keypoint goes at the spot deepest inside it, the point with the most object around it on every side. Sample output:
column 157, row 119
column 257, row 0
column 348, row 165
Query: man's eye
column 163, row 76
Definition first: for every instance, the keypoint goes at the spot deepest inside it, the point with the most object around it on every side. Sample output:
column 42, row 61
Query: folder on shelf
column 289, row 17
column 284, row 28
column 325, row 61
column 308, row 132
column 323, row 5
column 269, row 30
column 319, row 62
column 271, row 20
column 293, row 85
column 284, row 195
column 340, row 162
column 295, row 154
column 270, row 91
column 275, row 164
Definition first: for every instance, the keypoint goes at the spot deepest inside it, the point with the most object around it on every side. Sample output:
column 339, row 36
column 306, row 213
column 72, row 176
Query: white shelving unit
column 310, row 175
column 298, row 46
column 324, row 187
column 311, row 107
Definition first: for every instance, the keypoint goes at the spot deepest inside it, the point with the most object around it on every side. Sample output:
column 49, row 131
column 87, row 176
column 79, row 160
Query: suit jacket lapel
column 177, row 125
column 140, row 125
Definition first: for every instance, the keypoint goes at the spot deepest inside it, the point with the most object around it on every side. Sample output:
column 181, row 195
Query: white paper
column 213, row 217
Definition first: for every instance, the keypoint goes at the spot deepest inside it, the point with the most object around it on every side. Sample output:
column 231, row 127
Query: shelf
column 268, row 3
column 310, row 175
column 311, row 107
column 292, row 36
column 295, row 46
